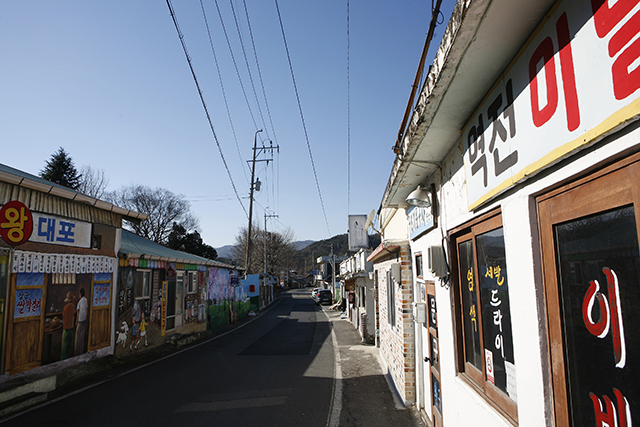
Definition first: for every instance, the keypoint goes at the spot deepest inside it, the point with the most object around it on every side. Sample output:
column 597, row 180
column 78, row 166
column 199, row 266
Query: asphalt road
column 286, row 368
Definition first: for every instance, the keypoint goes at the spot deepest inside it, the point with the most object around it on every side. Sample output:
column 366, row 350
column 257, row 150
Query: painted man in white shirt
column 81, row 322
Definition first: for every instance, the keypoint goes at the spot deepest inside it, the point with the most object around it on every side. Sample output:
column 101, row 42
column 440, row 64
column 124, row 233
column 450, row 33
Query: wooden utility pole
column 254, row 186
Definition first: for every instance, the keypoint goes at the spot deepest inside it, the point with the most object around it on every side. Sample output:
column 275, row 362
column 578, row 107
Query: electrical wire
column 224, row 93
column 348, row 115
column 264, row 92
column 304, row 126
column 204, row 105
column 246, row 61
column 235, row 64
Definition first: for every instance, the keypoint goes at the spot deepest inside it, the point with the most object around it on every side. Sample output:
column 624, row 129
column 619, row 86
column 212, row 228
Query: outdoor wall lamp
column 418, row 197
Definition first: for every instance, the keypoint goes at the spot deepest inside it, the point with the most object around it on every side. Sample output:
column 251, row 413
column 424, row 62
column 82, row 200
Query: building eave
column 481, row 39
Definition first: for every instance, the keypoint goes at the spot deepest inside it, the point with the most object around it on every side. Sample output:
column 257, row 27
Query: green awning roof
column 134, row 246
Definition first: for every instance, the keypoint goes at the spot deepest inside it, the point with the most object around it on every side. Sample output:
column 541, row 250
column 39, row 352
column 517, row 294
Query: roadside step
column 25, row 394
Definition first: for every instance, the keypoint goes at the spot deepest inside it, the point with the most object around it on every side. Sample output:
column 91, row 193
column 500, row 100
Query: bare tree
column 163, row 207
column 279, row 246
column 93, row 182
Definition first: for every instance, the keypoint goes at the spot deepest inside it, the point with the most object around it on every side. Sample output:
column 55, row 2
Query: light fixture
column 418, row 197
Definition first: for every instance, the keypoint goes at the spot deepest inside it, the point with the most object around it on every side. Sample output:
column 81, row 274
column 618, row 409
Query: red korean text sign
column 16, row 223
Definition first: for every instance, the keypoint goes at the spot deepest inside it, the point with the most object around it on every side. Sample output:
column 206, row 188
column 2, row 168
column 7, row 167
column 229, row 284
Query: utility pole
column 254, row 186
column 265, row 238
column 333, row 271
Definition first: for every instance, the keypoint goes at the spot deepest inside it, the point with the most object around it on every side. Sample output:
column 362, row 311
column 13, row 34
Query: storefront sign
column 420, row 219
column 16, row 223
column 576, row 80
column 163, row 313
column 358, row 237
column 28, row 303
column 60, row 231
column 31, row 262
column 101, row 294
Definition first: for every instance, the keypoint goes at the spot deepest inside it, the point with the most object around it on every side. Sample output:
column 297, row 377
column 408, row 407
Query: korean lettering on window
column 609, row 323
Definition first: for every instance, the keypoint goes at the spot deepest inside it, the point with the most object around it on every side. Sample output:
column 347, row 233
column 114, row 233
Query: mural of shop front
column 57, row 266
column 162, row 292
column 61, row 304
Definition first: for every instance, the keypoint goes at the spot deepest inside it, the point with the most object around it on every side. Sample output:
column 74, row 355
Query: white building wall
column 462, row 405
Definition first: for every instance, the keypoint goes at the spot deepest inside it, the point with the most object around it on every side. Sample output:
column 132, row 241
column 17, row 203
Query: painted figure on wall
column 143, row 333
column 67, row 325
column 219, row 288
column 81, row 322
column 134, row 335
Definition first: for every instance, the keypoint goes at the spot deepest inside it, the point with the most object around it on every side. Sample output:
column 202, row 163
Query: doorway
column 175, row 292
column 591, row 269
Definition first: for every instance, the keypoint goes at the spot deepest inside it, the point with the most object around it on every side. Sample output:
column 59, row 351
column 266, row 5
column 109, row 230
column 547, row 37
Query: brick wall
column 397, row 342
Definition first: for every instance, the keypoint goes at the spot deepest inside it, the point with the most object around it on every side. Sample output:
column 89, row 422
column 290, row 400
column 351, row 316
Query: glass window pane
column 146, row 283
column 496, row 314
column 139, row 283
column 469, row 305
column 599, row 275
column 436, row 398
column 435, row 359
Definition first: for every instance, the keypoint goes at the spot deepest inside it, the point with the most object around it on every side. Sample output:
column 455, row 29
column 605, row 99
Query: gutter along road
column 294, row 365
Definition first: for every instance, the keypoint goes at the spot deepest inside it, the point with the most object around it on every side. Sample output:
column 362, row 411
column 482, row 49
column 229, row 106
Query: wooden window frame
column 467, row 371
column 614, row 186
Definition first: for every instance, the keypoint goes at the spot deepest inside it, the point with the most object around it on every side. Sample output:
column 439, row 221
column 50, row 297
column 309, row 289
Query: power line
column 246, row 61
column 255, row 54
column 235, row 64
column 304, row 126
column 224, row 93
column 348, row 116
column 204, row 105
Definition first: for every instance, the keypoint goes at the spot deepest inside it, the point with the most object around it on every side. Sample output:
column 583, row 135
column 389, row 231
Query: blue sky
column 109, row 82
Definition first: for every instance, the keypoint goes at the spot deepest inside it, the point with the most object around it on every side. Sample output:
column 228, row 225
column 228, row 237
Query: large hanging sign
column 575, row 81
column 16, row 222
column 60, row 231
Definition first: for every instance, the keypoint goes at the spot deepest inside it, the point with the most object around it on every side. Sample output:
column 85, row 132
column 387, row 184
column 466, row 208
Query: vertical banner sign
column 357, row 234
column 163, row 314
column 575, row 80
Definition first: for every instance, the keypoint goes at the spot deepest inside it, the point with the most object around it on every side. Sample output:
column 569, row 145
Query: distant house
column 356, row 278
column 163, row 292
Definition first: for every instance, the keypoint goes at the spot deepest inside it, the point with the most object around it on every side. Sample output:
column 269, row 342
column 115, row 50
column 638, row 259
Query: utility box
column 436, row 262
column 420, row 312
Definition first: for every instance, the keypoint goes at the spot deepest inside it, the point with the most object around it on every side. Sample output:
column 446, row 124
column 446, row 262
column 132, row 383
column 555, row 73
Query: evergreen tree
column 61, row 170
column 192, row 243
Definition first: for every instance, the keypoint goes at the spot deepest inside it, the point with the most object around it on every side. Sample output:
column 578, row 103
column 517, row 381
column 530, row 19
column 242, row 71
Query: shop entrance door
column 591, row 265
column 433, row 358
column 175, row 290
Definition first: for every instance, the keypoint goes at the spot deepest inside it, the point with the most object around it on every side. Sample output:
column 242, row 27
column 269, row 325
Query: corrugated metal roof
column 33, row 182
column 135, row 246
